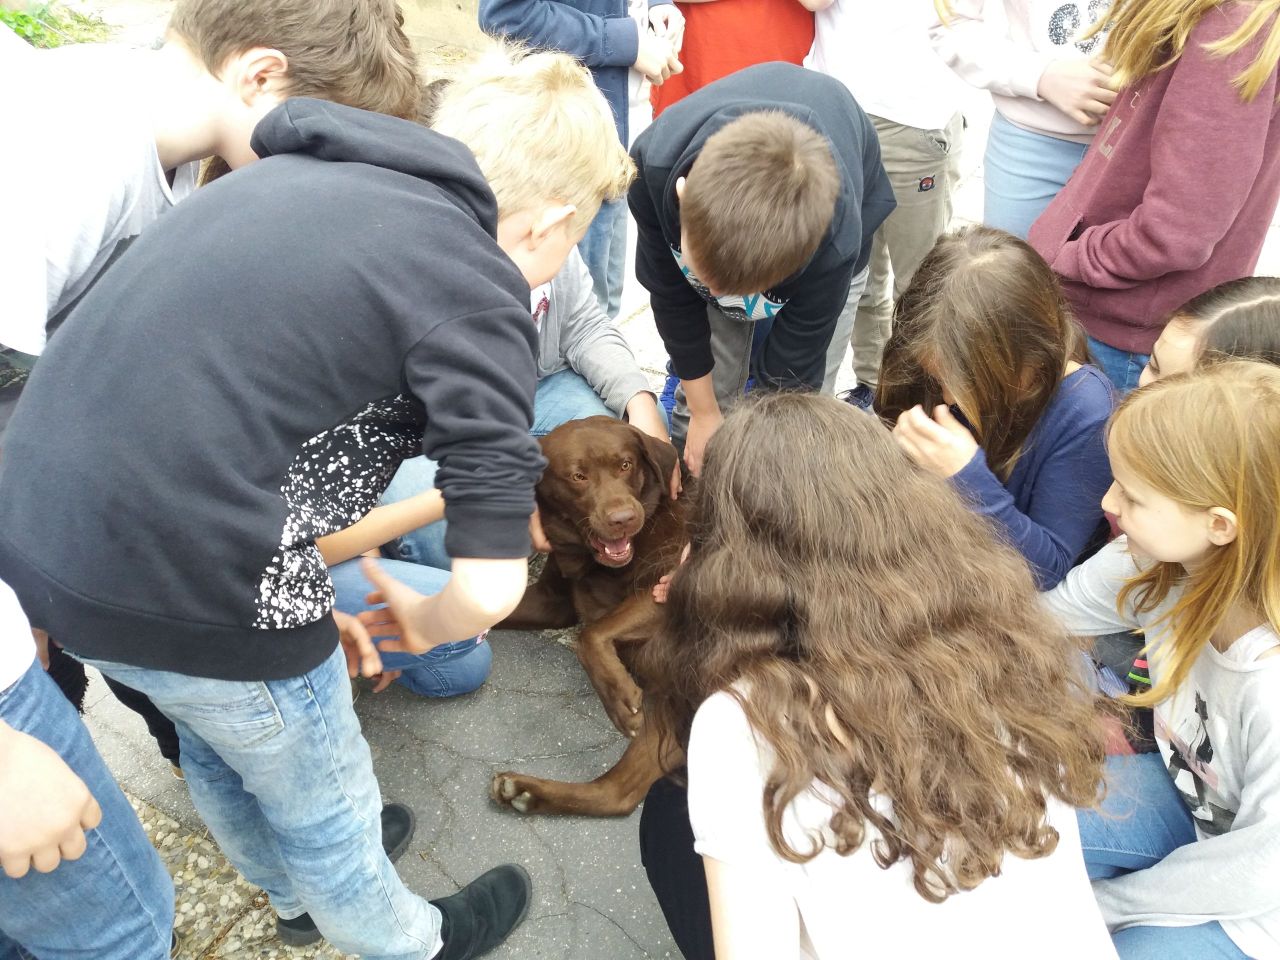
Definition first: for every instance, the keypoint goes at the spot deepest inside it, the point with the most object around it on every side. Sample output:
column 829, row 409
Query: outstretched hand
column 397, row 612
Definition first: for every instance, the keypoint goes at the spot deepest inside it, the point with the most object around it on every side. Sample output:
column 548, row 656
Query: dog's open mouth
column 613, row 553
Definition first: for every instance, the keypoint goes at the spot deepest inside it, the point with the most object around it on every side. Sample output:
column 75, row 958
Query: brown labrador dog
column 606, row 508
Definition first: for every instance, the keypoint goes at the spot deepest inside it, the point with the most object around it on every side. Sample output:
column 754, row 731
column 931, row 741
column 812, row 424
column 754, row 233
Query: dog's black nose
column 619, row 518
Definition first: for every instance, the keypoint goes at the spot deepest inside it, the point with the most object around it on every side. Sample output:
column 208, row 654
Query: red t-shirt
column 724, row 36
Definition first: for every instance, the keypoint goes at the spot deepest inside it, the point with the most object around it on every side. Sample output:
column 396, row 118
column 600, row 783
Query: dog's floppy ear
column 661, row 459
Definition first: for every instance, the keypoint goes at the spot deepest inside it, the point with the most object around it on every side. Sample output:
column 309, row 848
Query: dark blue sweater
column 597, row 32
column 1052, row 503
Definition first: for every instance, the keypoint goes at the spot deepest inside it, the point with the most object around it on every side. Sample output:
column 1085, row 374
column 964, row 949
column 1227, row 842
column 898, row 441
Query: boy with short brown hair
column 756, row 199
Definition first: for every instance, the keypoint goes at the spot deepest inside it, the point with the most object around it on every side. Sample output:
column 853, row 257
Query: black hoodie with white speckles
column 247, row 378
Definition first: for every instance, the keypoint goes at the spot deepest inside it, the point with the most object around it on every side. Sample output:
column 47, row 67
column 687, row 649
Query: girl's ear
column 1223, row 526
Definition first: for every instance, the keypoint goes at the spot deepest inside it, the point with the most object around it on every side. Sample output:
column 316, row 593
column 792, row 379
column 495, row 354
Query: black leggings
column 68, row 673
column 675, row 870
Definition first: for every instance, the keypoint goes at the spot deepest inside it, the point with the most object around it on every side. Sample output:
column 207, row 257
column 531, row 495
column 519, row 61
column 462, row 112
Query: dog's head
column 604, row 480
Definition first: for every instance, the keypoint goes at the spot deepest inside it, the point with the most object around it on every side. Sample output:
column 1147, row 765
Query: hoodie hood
column 333, row 132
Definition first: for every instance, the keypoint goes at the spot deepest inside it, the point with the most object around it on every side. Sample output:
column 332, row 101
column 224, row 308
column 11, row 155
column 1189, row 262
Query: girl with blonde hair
column 863, row 779
column 1178, row 190
column 1185, row 852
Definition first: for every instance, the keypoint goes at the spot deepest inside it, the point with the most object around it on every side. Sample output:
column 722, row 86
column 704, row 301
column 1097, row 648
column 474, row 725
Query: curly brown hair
column 884, row 640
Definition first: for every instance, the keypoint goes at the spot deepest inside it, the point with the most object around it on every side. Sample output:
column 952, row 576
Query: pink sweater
column 1174, row 196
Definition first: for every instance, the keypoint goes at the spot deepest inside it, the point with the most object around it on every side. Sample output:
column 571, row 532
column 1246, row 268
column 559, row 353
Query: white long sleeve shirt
column 1219, row 735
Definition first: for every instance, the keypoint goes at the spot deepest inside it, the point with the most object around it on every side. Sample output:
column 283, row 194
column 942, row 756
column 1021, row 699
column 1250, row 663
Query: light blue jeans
column 448, row 670
column 283, row 778
column 561, row 397
column 1142, row 821
column 1121, row 367
column 116, row 901
column 1022, row 172
column 604, row 250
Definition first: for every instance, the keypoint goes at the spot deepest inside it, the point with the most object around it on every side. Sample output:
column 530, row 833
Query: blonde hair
column 539, row 128
column 1210, row 438
column 1149, row 35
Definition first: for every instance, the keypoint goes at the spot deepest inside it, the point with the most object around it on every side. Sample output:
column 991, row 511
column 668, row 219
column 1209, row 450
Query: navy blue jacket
column 1051, row 505
column 597, row 32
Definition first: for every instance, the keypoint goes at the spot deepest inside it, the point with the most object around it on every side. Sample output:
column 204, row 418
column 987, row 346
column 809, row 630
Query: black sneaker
column 483, row 913
column 398, row 824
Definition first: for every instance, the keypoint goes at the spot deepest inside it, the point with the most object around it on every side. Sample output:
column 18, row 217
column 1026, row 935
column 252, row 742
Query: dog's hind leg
column 547, row 604
column 615, row 793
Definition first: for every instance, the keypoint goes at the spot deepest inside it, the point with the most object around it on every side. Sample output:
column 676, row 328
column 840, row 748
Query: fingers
column 46, row 859
column 73, row 845
column 16, row 865
column 381, row 622
column 91, row 815
column 362, row 655
column 385, row 679
column 1101, row 64
column 537, row 534
column 676, row 486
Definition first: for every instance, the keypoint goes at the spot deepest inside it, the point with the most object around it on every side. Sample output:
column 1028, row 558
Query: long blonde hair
column 1207, row 439
column 1149, row 35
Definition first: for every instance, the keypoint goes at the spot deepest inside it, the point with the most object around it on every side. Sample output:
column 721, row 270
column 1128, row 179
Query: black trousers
column 675, row 870
column 68, row 673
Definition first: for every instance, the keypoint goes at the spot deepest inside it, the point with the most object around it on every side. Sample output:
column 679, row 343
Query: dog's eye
column 578, row 477
column 626, row 465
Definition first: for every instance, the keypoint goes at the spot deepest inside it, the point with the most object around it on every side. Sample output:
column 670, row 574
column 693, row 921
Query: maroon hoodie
column 1174, row 196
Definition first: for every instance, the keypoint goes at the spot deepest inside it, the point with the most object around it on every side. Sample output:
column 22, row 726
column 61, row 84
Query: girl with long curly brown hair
column 863, row 777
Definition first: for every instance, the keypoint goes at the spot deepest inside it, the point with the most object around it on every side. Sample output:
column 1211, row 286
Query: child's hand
column 45, row 808
column 663, row 586
column 362, row 655
column 536, row 534
column 943, row 445
column 1079, row 88
column 667, row 21
column 701, row 428
column 395, row 616
column 656, row 57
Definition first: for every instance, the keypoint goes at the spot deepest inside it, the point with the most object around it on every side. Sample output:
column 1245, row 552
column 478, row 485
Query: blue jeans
column 1121, row 367
column 1142, row 821
column 1022, row 172
column 446, row 671
column 116, row 901
column 561, row 397
column 604, row 250
column 284, row 780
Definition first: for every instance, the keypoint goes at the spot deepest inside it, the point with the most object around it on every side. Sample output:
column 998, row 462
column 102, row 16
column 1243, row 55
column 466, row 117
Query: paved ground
column 537, row 714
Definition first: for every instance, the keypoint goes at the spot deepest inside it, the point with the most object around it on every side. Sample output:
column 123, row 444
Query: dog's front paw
column 514, row 791
column 622, row 700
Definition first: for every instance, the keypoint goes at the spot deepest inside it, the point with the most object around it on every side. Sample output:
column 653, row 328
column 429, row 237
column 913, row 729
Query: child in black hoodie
column 756, row 200
column 246, row 379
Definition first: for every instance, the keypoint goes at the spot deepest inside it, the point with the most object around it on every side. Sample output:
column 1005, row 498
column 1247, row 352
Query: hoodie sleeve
column 679, row 311
column 794, row 354
column 595, row 40
column 590, row 342
column 985, row 56
column 476, row 374
column 1195, row 193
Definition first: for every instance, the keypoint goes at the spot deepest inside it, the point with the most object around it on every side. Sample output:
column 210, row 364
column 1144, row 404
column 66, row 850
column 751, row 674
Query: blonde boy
column 271, row 350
